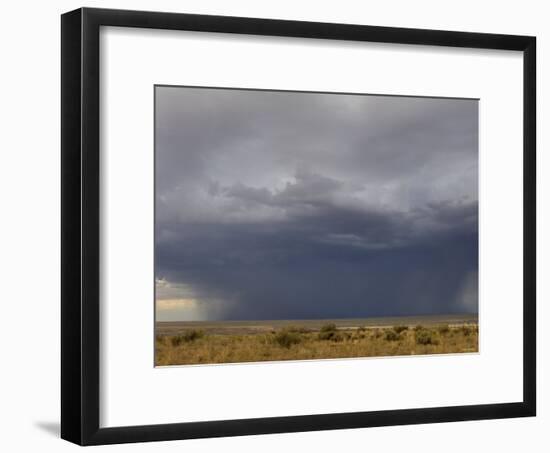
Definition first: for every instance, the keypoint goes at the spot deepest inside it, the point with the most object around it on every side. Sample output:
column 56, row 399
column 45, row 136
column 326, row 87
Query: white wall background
column 29, row 239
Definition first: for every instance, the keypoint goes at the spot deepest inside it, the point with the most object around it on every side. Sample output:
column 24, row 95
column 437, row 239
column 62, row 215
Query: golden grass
column 297, row 343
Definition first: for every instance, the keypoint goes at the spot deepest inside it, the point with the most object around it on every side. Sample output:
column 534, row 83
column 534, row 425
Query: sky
column 292, row 205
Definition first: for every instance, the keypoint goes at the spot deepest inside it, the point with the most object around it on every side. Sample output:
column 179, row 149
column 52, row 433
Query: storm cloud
column 286, row 205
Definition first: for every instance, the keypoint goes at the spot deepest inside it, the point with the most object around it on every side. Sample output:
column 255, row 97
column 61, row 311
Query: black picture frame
column 80, row 263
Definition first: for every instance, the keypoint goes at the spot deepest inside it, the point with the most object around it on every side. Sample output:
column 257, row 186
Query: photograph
column 308, row 225
column 319, row 222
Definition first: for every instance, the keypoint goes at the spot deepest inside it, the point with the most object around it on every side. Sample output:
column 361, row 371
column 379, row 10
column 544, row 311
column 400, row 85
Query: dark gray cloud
column 299, row 205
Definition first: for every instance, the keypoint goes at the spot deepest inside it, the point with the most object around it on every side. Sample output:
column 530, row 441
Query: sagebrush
column 194, row 346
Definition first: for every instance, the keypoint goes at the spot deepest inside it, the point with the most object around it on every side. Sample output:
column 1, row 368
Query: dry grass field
column 269, row 342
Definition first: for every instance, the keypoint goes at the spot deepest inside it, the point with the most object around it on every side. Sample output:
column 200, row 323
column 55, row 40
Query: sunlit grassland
column 194, row 346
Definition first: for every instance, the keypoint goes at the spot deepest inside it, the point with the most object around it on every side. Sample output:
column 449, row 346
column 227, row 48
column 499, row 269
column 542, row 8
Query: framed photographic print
column 266, row 224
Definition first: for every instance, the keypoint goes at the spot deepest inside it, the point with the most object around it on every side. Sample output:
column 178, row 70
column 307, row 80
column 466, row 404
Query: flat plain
column 207, row 342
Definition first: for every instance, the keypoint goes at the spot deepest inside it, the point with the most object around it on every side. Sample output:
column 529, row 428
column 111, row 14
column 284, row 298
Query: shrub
column 333, row 335
column 176, row 340
column 192, row 334
column 331, row 327
column 444, row 329
column 359, row 333
column 399, row 329
column 418, row 328
column 466, row 331
column 330, row 332
column 297, row 329
column 391, row 335
column 330, row 335
column 187, row 337
column 286, row 338
column 425, row 337
column 159, row 338
column 377, row 333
